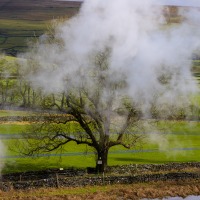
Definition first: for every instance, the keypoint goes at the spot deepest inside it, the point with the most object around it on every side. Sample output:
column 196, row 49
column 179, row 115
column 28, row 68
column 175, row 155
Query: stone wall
column 98, row 180
column 132, row 169
column 76, row 177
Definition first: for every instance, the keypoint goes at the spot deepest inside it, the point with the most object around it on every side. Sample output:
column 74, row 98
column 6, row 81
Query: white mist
column 154, row 58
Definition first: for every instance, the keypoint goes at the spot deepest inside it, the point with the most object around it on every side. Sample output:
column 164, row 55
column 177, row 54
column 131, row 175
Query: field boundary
column 95, row 181
column 114, row 175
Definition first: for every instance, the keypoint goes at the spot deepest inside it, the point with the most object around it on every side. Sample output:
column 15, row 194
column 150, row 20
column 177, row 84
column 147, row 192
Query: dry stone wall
column 92, row 181
column 76, row 178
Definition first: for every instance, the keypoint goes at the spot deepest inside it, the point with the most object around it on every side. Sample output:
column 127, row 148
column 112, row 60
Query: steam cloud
column 155, row 58
column 2, row 147
column 2, row 153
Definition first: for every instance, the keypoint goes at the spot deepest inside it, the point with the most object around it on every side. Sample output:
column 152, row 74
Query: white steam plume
column 2, row 147
column 2, row 153
column 154, row 57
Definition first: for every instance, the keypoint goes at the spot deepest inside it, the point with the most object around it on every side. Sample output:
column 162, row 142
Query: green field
column 180, row 144
column 15, row 34
column 26, row 20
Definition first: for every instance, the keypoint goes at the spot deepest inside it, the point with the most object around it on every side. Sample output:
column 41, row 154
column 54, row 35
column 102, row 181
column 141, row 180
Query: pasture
column 180, row 143
column 15, row 34
column 26, row 20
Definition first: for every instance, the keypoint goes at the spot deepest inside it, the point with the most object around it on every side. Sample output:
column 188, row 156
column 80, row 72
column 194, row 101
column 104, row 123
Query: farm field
column 180, row 144
column 15, row 34
column 25, row 20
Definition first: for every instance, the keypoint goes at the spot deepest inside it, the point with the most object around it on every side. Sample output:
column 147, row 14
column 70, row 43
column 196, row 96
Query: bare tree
column 93, row 111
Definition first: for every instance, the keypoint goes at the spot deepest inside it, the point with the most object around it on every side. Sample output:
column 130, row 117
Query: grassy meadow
column 15, row 34
column 26, row 20
column 181, row 143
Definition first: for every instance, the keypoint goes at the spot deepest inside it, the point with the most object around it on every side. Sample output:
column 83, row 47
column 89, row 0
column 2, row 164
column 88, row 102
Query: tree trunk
column 102, row 159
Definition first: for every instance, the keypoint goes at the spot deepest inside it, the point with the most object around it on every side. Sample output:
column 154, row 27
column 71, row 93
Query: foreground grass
column 84, row 161
column 76, row 158
column 111, row 192
column 180, row 144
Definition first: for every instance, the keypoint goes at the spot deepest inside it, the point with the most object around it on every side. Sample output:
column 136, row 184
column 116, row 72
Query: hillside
column 36, row 9
column 22, row 20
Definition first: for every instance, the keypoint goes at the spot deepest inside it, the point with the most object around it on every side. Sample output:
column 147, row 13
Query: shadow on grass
column 151, row 160
column 141, row 160
column 25, row 165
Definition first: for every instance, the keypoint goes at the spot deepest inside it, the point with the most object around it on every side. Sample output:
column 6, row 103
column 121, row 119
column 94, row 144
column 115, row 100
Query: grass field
column 24, row 20
column 180, row 144
column 15, row 34
column 14, row 164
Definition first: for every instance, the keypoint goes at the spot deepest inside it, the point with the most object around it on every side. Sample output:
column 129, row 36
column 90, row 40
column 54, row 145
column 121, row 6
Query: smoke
column 2, row 146
column 2, row 153
column 154, row 58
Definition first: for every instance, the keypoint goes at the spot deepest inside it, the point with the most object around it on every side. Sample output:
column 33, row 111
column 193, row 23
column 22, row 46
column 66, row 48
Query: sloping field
column 25, row 19
column 21, row 20
column 36, row 9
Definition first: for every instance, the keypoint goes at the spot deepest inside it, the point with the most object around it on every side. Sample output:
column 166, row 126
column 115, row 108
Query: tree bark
column 102, row 159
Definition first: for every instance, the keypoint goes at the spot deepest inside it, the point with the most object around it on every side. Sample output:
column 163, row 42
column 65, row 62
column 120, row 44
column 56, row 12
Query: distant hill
column 22, row 20
column 37, row 9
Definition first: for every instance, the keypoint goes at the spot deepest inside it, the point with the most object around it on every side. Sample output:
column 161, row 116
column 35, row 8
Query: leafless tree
column 93, row 112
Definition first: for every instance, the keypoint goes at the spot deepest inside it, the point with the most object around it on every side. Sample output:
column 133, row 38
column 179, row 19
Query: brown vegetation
column 133, row 191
